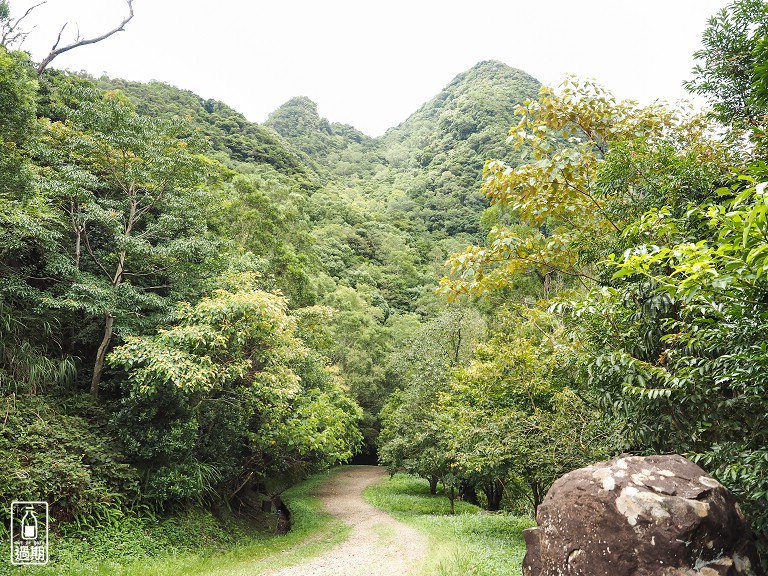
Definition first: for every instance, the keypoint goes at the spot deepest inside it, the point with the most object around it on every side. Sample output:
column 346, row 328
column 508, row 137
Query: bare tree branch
column 58, row 38
column 55, row 51
column 9, row 28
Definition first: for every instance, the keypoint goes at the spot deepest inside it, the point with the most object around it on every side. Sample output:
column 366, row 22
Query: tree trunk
column 538, row 497
column 452, row 497
column 468, row 493
column 69, row 347
column 283, row 515
column 77, row 247
column 433, row 485
column 494, row 492
column 101, row 354
column 109, row 320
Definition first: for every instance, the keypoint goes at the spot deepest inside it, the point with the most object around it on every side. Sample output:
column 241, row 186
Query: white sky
column 373, row 63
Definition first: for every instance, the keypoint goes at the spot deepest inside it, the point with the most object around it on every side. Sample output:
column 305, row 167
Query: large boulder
column 640, row 516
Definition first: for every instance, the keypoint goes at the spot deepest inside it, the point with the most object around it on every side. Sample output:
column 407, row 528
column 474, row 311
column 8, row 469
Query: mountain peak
column 297, row 117
column 485, row 95
column 300, row 102
column 491, row 65
column 495, row 72
column 450, row 137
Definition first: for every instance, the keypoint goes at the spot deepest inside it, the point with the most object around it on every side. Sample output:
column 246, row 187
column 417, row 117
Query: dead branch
column 55, row 51
column 10, row 29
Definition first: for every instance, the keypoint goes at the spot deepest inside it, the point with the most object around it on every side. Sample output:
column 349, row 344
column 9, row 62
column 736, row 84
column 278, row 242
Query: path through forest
column 378, row 545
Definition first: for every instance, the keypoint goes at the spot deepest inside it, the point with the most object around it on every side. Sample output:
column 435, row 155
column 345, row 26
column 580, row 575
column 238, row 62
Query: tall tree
column 17, row 101
column 133, row 194
column 30, row 352
column 231, row 393
column 518, row 415
column 413, row 438
column 690, row 366
column 566, row 218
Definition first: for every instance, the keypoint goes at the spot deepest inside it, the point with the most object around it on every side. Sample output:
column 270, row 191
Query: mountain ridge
column 434, row 158
column 436, row 155
column 495, row 67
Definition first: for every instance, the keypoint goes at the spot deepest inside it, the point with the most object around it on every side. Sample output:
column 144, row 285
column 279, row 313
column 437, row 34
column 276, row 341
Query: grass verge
column 194, row 544
column 470, row 543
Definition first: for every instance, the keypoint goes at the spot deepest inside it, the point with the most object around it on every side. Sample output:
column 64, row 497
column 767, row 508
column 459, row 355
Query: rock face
column 640, row 516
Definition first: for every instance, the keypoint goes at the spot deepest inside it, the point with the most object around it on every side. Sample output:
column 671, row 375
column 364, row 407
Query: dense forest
column 196, row 310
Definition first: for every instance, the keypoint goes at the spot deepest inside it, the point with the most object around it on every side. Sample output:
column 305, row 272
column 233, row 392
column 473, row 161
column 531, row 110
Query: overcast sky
column 373, row 63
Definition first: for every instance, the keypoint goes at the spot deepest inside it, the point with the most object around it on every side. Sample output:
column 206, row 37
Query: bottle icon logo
column 29, row 524
column 29, row 533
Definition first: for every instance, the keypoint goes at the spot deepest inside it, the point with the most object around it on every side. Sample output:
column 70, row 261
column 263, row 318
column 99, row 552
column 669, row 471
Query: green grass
column 195, row 544
column 470, row 543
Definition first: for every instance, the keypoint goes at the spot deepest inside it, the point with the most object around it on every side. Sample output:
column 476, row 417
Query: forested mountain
column 437, row 155
column 210, row 222
column 228, row 131
column 429, row 166
column 197, row 310
column 336, row 150
column 426, row 169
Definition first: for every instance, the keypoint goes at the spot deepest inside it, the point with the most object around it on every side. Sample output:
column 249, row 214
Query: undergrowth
column 192, row 543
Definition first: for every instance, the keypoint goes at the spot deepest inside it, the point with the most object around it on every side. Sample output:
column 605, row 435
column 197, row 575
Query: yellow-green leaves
column 730, row 262
column 558, row 196
column 240, row 379
column 229, row 337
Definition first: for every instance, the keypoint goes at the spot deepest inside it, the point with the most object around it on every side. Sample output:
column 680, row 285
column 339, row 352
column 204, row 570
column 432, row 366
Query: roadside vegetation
column 196, row 542
column 469, row 542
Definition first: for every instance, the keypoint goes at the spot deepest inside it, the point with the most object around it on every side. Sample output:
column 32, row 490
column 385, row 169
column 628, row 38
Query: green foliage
column 436, row 156
column 243, row 143
column 120, row 210
column 518, row 414
column 265, row 215
column 128, row 232
column 19, row 206
column 63, row 453
column 30, row 358
column 360, row 348
column 358, row 244
column 243, row 401
column 732, row 70
column 116, row 197
column 695, row 384
column 469, row 542
column 568, row 214
column 17, row 99
column 332, row 150
column 413, row 437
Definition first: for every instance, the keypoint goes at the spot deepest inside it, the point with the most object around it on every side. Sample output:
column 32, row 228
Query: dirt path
column 379, row 545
